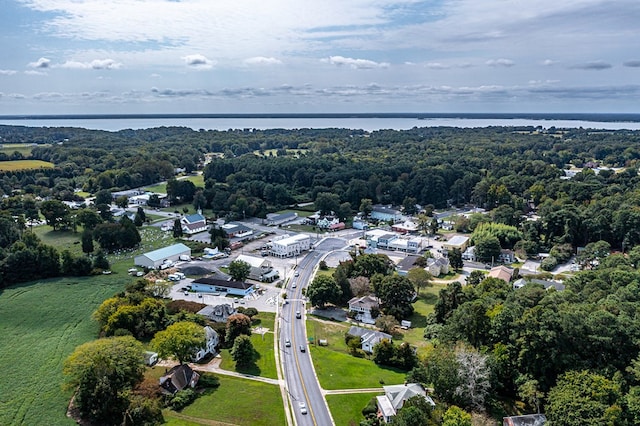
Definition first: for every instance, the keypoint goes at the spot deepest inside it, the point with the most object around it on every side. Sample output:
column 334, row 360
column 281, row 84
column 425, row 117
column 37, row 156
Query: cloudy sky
column 243, row 56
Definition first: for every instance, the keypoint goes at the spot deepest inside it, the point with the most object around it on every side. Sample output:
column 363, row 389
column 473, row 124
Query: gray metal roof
column 167, row 252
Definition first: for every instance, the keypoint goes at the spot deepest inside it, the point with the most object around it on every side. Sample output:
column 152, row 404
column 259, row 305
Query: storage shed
column 155, row 259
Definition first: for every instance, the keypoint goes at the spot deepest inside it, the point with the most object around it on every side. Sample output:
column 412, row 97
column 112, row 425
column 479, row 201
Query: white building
column 155, row 259
column 395, row 396
column 367, row 307
column 291, row 245
column 212, row 340
column 261, row 268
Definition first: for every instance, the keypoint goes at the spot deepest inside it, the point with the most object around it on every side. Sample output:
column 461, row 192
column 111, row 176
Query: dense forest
column 545, row 348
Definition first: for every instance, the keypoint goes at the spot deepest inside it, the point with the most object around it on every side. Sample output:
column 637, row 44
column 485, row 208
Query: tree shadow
column 251, row 367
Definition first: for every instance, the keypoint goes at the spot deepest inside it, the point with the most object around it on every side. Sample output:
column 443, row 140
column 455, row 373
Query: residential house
column 385, row 213
column 501, row 272
column 507, row 256
column 459, row 242
column 217, row 313
column 519, row 283
column 438, row 266
column 150, row 358
column 368, row 338
column 336, row 226
column 367, row 308
column 261, row 268
column 211, row 341
column 215, row 285
column 360, row 224
column 526, row 420
column 156, row 258
column 470, row 254
column 385, row 240
column 178, row 378
column 395, row 396
column 326, row 222
column 193, row 224
column 406, row 264
column 275, row 219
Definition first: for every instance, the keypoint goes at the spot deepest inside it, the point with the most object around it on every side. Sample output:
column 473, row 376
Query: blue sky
column 243, row 56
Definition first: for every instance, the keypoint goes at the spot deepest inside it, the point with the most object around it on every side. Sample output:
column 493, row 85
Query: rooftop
column 168, row 251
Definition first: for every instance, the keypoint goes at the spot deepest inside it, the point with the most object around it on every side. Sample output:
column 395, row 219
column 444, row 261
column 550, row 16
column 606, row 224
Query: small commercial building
column 276, row 219
column 215, row 285
column 386, row 213
column 290, row 246
column 155, row 259
column 459, row 242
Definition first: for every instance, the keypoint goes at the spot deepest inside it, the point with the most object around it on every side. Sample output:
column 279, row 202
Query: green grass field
column 61, row 240
column 265, row 364
column 23, row 148
column 41, row 323
column 237, row 401
column 198, row 180
column 331, row 366
column 347, row 409
column 25, row 165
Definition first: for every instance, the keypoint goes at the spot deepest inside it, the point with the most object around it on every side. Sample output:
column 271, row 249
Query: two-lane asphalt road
column 302, row 385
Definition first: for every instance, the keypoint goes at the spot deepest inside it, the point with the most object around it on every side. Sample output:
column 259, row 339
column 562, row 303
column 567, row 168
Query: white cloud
column 198, row 61
column 8, row 72
column 502, row 62
column 41, row 63
column 261, row 60
column 96, row 64
column 549, row 62
column 34, row 72
column 355, row 63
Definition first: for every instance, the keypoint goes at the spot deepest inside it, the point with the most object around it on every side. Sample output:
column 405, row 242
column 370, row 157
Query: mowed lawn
column 346, row 409
column 237, row 401
column 24, row 165
column 41, row 323
column 265, row 362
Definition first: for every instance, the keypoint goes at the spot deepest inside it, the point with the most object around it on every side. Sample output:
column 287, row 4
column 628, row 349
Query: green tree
column 366, row 206
column 180, row 340
column 242, row 351
column 396, row 295
column 456, row 416
column 239, row 270
column 327, row 202
column 323, row 290
column 102, row 372
column 237, row 324
column 582, row 397
column 455, row 259
column 420, row 278
column 88, row 218
column 387, row 323
column 87, row 241
column 177, row 228
column 487, row 248
column 56, row 213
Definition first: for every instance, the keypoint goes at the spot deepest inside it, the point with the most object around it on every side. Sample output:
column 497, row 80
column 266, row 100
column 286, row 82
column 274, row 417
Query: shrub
column 208, row 380
column 181, row 399
column 549, row 263
column 370, row 408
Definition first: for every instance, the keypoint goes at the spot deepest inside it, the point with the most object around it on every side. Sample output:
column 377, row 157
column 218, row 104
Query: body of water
column 368, row 123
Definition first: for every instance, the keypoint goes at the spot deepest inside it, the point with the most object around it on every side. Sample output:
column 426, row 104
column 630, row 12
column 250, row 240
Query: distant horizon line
column 595, row 116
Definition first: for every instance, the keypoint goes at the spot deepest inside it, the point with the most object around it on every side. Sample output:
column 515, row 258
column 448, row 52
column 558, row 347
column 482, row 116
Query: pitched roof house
column 178, row 378
column 366, row 308
column 217, row 313
column 395, row 396
column 368, row 338
column 211, row 341
column 501, row 272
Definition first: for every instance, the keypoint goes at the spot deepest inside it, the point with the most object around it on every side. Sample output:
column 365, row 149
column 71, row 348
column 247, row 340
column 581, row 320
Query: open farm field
column 237, row 401
column 41, row 323
column 23, row 148
column 14, row 165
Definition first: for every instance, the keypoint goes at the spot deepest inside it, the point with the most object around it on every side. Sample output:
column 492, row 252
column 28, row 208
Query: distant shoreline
column 596, row 117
